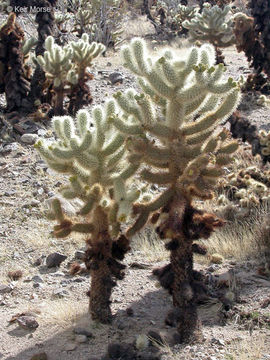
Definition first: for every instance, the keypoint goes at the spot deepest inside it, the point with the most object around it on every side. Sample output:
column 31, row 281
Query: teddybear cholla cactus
column 95, row 159
column 170, row 129
column 65, row 68
column 214, row 25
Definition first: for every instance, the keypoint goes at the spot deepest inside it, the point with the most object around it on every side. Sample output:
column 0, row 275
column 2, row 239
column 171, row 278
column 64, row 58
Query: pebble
column 34, row 202
column 37, row 279
column 4, row 289
column 29, row 139
column 79, row 255
column 82, row 331
column 81, row 339
column 70, row 346
column 42, row 132
column 116, row 77
column 60, row 293
column 55, row 259
column 28, row 322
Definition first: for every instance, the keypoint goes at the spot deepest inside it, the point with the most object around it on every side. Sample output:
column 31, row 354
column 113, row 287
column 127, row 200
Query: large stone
column 29, row 139
column 55, row 259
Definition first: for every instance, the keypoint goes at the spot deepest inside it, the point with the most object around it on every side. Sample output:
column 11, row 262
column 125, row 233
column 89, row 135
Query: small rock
column 42, row 132
column 4, row 289
column 40, row 191
column 70, row 346
column 37, row 279
column 15, row 275
column 55, row 259
column 115, row 78
column 218, row 341
column 79, row 255
column 40, row 356
column 29, row 139
column 60, row 293
column 81, row 339
column 27, row 322
column 82, row 331
column 34, row 202
column 213, row 268
column 37, row 262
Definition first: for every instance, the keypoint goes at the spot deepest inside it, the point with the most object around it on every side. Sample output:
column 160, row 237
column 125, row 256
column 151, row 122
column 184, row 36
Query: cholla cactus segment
column 56, row 61
column 213, row 24
column 84, row 52
column 187, row 149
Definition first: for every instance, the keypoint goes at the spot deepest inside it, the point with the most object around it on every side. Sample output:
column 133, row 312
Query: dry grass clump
column 148, row 244
column 249, row 350
column 62, row 313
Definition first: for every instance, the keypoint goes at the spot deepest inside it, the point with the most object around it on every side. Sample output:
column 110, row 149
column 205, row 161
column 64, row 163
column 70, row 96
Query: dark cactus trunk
column 100, row 292
column 13, row 79
column 183, row 225
column 182, row 292
column 101, row 259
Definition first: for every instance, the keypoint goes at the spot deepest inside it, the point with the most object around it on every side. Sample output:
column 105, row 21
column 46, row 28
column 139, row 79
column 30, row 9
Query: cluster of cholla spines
column 66, row 71
column 213, row 25
column 93, row 153
column 170, row 128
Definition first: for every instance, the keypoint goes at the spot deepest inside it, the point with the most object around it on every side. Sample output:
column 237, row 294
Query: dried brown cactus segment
column 13, row 80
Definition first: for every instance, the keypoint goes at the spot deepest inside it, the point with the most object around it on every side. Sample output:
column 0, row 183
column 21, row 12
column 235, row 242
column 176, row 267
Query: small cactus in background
column 169, row 16
column 213, row 25
column 100, row 19
column 92, row 152
column 170, row 130
column 66, row 71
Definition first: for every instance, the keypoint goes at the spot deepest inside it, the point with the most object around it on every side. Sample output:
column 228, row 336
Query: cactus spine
column 185, row 156
column 94, row 157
